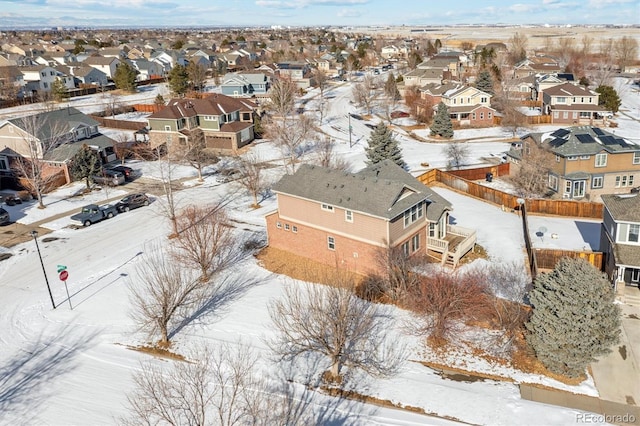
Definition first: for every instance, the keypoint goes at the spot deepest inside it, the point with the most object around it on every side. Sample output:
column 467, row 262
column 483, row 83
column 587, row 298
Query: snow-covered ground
column 62, row 366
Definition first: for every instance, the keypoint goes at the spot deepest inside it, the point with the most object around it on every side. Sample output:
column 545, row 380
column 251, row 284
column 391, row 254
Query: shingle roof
column 383, row 190
column 627, row 255
column 212, row 105
column 569, row 89
column 586, row 140
column 623, row 207
column 68, row 150
column 53, row 123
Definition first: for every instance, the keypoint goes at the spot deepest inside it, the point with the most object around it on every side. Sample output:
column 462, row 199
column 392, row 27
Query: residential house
column 57, row 136
column 298, row 72
column 468, row 106
column 11, row 81
column 422, row 77
column 536, row 65
column 587, row 161
column 521, row 89
column 246, row 84
column 568, row 103
column 107, row 65
column 620, row 241
column 146, row 69
column 546, row 81
column 346, row 219
column 85, row 75
column 226, row 122
column 38, row 79
column 393, row 52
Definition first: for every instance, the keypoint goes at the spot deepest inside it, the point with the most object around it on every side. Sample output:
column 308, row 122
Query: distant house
column 586, row 161
column 226, row 122
column 536, row 65
column 58, row 136
column 146, row 69
column 468, row 106
column 38, row 79
column 85, row 74
column 298, row 72
column 245, row 84
column 620, row 241
column 346, row 219
column 568, row 103
column 107, row 65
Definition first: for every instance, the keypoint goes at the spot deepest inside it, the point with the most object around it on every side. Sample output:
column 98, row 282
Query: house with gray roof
column 246, row 84
column 584, row 161
column 348, row 219
column 620, row 241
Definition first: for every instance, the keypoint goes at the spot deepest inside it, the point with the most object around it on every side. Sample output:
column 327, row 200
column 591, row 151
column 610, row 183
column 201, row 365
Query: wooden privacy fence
column 147, row 107
column 481, row 172
column 547, row 258
column 537, row 206
column 119, row 124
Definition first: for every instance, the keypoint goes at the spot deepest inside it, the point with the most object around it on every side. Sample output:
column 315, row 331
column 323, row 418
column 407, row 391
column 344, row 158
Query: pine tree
column 609, row 98
column 442, row 125
column 85, row 164
column 383, row 146
column 179, row 80
column 485, row 82
column 125, row 77
column 59, row 90
column 574, row 319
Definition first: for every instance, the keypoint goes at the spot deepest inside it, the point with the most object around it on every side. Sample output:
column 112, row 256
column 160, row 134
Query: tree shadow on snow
column 25, row 379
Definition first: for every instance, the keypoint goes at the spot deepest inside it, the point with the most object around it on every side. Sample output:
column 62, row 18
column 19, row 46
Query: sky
column 175, row 13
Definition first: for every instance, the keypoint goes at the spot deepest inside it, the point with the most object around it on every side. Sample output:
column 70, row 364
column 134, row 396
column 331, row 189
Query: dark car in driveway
column 132, row 201
column 128, row 172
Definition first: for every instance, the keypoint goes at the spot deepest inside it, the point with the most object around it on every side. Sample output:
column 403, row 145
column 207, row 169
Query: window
column 556, row 114
column 557, row 158
column 294, row 229
column 561, row 100
column 483, row 100
column 473, row 116
column 567, row 187
column 348, row 215
column 287, row 227
column 210, row 118
column 327, row 207
column 278, row 225
column 405, row 248
column 634, row 233
column 623, row 181
column 596, row 182
column 432, row 230
column 585, row 157
column 167, row 128
column 575, row 114
column 572, row 158
column 553, row 182
column 601, row 160
column 44, row 74
column 415, row 242
column 331, row 243
column 489, row 114
column 413, row 214
column 636, row 158
column 585, row 114
column 4, row 165
column 565, row 114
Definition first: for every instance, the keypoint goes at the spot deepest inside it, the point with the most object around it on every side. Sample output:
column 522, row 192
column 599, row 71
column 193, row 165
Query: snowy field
column 74, row 367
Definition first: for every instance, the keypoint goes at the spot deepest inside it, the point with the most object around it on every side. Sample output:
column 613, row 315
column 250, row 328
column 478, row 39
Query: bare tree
column 289, row 134
column 169, row 205
column 166, row 292
column 420, row 109
column 322, row 80
column 517, row 47
column 626, row 51
column 456, row 153
column 196, row 153
column 512, row 118
column 364, row 93
column 508, row 283
column 335, row 323
column 326, row 156
column 206, row 240
column 216, row 386
column 531, row 178
column 197, row 75
column 39, row 137
column 251, row 176
column 605, row 68
column 282, row 96
column 442, row 299
column 112, row 104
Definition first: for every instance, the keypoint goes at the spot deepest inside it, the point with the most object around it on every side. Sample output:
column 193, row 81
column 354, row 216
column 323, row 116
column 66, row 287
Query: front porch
column 456, row 242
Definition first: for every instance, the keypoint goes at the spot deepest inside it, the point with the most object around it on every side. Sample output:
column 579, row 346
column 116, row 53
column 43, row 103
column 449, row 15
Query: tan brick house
column 226, row 122
column 568, row 103
column 346, row 219
column 467, row 105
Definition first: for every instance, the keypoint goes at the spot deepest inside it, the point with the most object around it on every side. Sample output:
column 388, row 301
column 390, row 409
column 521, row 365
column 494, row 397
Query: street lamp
column 34, row 234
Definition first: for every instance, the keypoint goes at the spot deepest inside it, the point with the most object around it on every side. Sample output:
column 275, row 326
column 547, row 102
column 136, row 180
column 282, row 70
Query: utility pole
column 349, row 115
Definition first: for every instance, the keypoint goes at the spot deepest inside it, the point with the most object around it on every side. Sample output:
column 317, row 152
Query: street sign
column 64, row 275
column 61, row 268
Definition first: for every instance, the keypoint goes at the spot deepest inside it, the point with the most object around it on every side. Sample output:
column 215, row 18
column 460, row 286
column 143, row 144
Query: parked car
column 132, row 201
column 4, row 217
column 227, row 175
column 109, row 177
column 12, row 200
column 92, row 213
column 128, row 172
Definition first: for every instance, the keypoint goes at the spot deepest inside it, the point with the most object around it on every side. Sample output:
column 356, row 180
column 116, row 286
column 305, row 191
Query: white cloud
column 600, row 4
column 348, row 13
column 521, row 8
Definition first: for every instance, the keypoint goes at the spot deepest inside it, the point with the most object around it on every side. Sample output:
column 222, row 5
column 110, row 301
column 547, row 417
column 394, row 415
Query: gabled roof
column 569, row 89
column 216, row 104
column 67, row 151
column 586, row 140
column 52, row 123
column 623, row 207
column 384, row 190
column 100, row 60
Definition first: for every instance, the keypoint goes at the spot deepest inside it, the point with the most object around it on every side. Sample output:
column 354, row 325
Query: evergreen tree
column 85, row 164
column 609, row 98
column 59, row 90
column 574, row 319
column 442, row 125
column 383, row 146
column 125, row 77
column 391, row 87
column 485, row 82
column 179, row 80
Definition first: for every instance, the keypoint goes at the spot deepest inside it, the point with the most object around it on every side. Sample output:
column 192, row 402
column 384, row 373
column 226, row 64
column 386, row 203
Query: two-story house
column 347, row 219
column 39, row 79
column 587, row 161
column 107, row 65
column 57, row 136
column 298, row 72
column 468, row 106
column 536, row 65
column 246, row 84
column 226, row 122
column 620, row 241
column 568, row 103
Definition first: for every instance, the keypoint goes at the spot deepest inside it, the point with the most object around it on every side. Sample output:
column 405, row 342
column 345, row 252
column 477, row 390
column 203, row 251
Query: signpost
column 63, row 275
